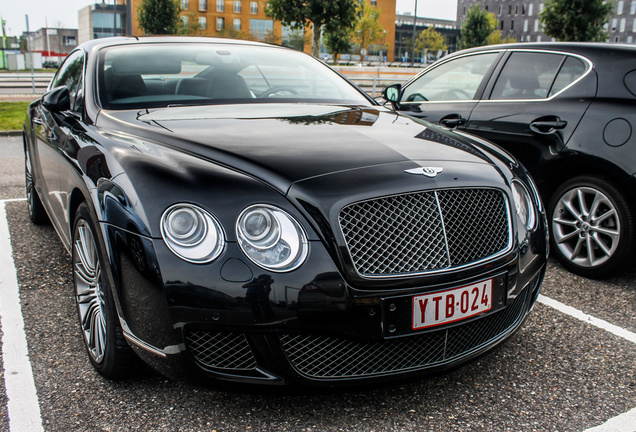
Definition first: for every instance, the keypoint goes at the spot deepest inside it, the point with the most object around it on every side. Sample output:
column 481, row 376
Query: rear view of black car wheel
column 108, row 350
column 37, row 214
column 591, row 225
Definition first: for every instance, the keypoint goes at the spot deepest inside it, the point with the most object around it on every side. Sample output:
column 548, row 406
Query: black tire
column 103, row 337
column 592, row 227
column 37, row 214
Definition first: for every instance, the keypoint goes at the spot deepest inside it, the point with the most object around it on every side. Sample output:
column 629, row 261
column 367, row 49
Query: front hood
column 283, row 144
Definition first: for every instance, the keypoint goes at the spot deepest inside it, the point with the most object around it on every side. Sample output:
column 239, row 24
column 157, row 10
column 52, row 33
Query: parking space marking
column 568, row 310
column 22, row 407
column 624, row 422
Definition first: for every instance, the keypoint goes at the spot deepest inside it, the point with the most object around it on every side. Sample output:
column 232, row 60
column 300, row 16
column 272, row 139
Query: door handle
column 452, row 121
column 547, row 126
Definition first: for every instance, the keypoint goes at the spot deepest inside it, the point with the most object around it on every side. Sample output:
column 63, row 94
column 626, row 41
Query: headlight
column 271, row 238
column 523, row 205
column 192, row 233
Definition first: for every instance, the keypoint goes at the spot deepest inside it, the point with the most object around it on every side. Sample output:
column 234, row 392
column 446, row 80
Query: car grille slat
column 219, row 350
column 324, row 357
column 425, row 231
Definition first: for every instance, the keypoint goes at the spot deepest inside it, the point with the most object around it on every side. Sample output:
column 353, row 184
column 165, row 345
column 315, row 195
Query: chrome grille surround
column 324, row 357
column 220, row 350
column 426, row 232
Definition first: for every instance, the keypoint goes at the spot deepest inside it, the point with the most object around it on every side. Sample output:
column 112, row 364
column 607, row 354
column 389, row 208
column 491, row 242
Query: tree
column 367, row 29
column 298, row 14
column 477, row 27
column 159, row 16
column 430, row 40
column 337, row 40
column 576, row 20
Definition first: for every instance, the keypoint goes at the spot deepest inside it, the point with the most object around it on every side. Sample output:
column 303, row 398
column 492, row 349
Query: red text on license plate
column 444, row 307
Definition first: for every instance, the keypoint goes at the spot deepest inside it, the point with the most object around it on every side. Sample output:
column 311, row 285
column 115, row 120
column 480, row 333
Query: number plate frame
column 397, row 312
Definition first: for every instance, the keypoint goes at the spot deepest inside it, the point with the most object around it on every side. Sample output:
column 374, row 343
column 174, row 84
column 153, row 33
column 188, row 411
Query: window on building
column 184, row 4
column 374, row 3
column 254, row 7
column 541, row 6
column 512, row 25
column 536, row 25
column 261, row 27
column 220, row 5
column 620, row 7
column 614, row 24
column 184, row 20
column 509, row 9
column 203, row 23
column 203, row 5
column 539, row 38
column 499, row 10
column 634, row 26
column 237, row 24
column 632, row 8
column 530, row 7
column 523, row 10
column 630, row 39
column 516, row 9
column 525, row 25
column 616, row 39
column 501, row 25
column 237, row 6
column 623, row 24
column 69, row 41
column 220, row 24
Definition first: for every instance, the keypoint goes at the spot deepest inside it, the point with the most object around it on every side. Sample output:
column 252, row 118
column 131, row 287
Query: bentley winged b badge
column 426, row 171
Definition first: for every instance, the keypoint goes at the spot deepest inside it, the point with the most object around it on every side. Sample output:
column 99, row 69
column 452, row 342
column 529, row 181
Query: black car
column 566, row 111
column 238, row 211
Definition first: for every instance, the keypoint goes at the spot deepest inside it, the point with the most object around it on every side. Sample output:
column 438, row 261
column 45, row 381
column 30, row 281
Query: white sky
column 63, row 13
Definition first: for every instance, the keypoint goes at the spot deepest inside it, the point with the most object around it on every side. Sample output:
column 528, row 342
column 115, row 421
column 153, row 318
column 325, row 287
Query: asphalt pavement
column 560, row 372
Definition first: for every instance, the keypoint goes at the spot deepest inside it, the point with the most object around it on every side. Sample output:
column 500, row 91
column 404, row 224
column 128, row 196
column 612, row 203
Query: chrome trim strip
column 171, row 349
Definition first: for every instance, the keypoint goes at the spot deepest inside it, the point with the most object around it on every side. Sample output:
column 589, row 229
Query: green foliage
column 295, row 39
column 477, row 27
column 12, row 115
column 431, row 40
column 159, row 16
column 576, row 20
column 337, row 40
column 192, row 28
column 367, row 29
column 299, row 13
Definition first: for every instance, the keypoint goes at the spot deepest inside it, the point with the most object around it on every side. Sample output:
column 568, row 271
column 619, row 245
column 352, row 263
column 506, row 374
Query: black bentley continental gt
column 238, row 211
column 566, row 110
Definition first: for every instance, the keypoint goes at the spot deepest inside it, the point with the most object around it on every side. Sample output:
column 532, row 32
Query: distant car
column 238, row 211
column 567, row 112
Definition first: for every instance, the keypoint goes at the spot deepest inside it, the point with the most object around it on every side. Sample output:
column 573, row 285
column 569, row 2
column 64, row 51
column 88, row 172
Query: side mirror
column 392, row 93
column 57, row 100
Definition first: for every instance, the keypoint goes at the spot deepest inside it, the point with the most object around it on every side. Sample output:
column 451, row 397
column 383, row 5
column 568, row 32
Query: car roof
column 582, row 48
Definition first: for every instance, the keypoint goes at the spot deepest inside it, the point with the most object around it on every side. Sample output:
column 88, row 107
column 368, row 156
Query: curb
column 10, row 133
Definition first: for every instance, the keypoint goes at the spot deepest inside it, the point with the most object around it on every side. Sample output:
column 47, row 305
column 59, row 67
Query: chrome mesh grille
column 321, row 357
column 221, row 350
column 426, row 231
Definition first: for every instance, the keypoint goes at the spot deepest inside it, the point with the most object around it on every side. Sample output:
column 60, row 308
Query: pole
column 413, row 47
column 114, row 17
column 30, row 54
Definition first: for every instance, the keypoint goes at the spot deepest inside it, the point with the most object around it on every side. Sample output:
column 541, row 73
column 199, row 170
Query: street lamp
column 414, row 23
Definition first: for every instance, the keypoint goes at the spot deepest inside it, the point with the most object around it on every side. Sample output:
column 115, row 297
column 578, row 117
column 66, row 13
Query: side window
column 457, row 79
column 526, row 75
column 572, row 70
column 70, row 74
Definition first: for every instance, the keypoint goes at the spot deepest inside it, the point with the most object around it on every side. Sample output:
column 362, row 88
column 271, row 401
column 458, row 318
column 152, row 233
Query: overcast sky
column 63, row 13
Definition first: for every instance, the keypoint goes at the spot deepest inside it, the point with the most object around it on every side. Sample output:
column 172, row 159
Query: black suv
column 567, row 111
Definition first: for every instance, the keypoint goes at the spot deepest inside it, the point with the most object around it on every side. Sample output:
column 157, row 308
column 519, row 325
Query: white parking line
column 22, row 406
column 625, row 422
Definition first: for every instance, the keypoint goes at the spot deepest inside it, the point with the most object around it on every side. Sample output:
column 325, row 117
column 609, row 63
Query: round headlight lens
column 192, row 233
column 271, row 238
column 523, row 205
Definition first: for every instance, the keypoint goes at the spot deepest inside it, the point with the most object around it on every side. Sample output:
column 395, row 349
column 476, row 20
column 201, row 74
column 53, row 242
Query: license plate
column 456, row 304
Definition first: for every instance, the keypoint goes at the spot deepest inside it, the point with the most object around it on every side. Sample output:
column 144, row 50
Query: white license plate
column 456, row 304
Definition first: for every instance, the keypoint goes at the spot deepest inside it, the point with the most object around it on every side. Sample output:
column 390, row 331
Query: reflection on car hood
column 287, row 143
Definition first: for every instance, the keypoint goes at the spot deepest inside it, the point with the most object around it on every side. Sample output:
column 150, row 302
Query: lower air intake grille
column 322, row 357
column 425, row 231
column 219, row 350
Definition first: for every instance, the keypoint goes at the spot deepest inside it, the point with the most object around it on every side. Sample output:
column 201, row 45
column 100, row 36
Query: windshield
column 159, row 75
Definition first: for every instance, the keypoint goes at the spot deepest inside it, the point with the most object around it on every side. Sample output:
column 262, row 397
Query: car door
column 54, row 138
column 533, row 104
column 447, row 92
